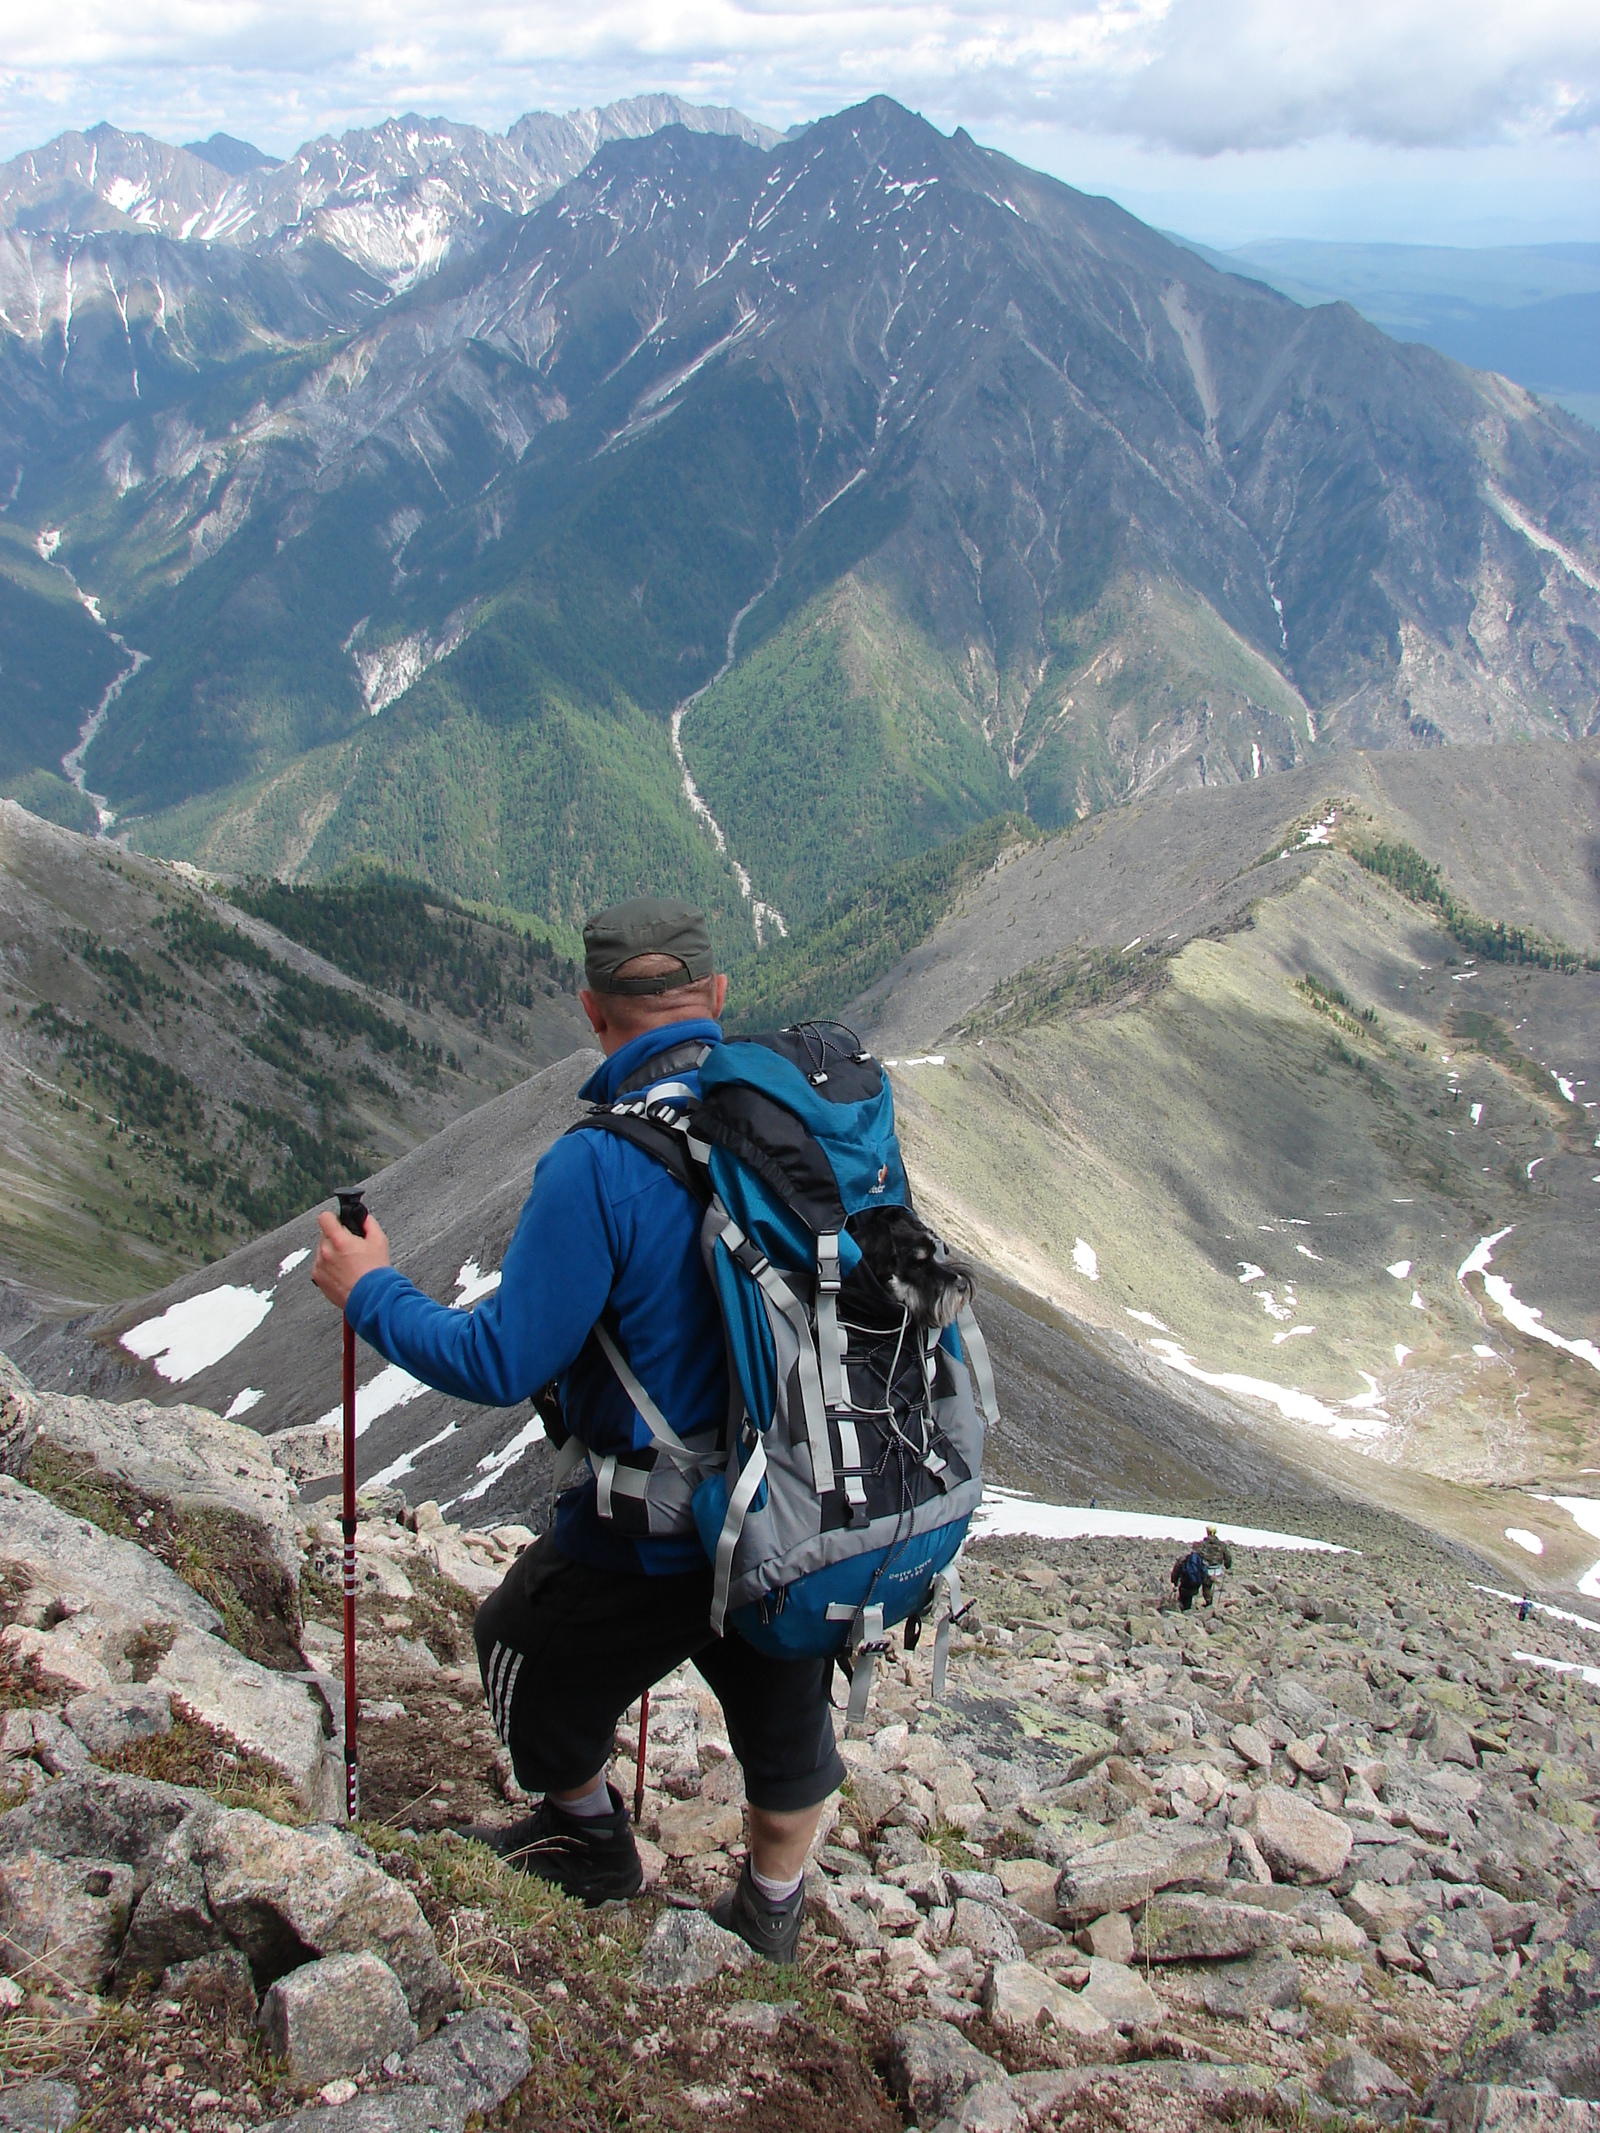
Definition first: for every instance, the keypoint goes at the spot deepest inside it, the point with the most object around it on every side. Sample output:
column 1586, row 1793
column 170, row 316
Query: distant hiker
column 606, row 1262
column 1198, row 1570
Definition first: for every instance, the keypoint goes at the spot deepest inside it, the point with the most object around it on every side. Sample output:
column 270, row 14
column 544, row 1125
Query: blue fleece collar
column 607, row 1078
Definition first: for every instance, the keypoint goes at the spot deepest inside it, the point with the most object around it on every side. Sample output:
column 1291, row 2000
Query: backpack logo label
column 883, row 1179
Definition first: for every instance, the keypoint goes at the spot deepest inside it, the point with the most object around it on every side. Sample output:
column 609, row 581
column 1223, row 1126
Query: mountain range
column 747, row 514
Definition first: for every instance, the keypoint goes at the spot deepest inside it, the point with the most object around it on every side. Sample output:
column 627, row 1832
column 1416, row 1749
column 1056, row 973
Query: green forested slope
column 838, row 746
column 54, row 666
column 820, row 968
column 558, row 810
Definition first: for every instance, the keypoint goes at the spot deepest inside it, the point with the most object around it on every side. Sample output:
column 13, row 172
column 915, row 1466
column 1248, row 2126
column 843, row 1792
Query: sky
column 1418, row 121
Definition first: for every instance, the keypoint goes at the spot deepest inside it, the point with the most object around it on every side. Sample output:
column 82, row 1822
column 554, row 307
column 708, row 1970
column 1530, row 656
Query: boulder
column 1120, row 1993
column 101, row 1816
column 108, row 1720
column 1252, row 1746
column 1017, row 1996
column 282, row 1896
column 1204, row 1929
column 688, row 1948
column 690, row 1829
column 479, row 2059
column 839, row 1914
column 992, row 2107
column 1268, row 1983
column 271, row 1715
column 403, row 2110
column 1356, row 2076
column 1493, row 2108
column 186, row 1456
column 62, row 1920
column 1110, row 1937
column 1128, row 1870
column 1379, row 1910
column 74, row 1555
column 1032, row 1884
column 38, row 2107
column 874, row 1797
column 932, row 2066
column 335, row 2016
column 986, row 1931
column 1451, row 1741
column 1299, row 1842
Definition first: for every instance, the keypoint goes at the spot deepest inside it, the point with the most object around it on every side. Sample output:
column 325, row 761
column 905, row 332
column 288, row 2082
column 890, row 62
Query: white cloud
column 1202, row 76
column 1157, row 79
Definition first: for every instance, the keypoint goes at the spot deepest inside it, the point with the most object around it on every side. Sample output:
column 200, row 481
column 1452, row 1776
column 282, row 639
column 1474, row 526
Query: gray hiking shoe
column 772, row 1929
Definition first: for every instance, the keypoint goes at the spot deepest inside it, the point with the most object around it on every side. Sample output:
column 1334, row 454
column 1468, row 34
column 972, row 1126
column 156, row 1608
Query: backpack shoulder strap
column 668, row 1144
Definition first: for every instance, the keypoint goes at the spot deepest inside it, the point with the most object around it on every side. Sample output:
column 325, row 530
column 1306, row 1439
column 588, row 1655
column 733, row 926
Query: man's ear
column 594, row 1007
column 719, row 996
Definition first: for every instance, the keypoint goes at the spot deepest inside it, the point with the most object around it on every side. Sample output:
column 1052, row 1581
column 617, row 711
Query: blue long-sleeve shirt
column 605, row 1232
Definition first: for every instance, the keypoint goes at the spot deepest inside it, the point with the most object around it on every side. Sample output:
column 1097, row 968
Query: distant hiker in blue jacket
column 615, row 1596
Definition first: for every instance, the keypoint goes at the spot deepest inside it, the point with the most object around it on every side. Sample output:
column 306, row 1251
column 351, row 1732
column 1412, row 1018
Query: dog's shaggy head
column 904, row 1256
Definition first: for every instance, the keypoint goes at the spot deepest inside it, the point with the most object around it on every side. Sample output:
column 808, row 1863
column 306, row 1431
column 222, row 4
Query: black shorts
column 564, row 1649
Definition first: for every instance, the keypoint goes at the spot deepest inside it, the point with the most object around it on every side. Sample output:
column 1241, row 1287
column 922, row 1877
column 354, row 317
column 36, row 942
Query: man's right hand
column 343, row 1257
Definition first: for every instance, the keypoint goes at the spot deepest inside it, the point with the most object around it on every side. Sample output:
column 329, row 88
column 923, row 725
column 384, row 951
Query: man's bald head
column 618, row 1017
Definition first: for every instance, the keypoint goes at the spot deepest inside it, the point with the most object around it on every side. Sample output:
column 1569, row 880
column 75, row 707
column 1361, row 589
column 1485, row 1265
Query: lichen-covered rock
column 1017, row 1996
column 1179, row 1928
column 1299, row 1841
column 687, row 1948
column 185, row 1456
column 1128, row 1870
column 108, row 1720
column 932, row 2065
column 481, row 2058
column 1118, row 1992
column 38, row 2107
column 62, row 1920
column 335, row 2016
column 74, row 1553
column 282, row 1896
column 1543, row 2030
column 269, row 1714
column 101, row 1816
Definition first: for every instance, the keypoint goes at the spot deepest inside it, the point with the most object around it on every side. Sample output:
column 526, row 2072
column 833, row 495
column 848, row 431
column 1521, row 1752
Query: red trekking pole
column 353, row 1216
column 638, row 1768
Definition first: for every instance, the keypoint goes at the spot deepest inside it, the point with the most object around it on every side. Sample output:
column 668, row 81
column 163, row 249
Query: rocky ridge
column 1326, row 1848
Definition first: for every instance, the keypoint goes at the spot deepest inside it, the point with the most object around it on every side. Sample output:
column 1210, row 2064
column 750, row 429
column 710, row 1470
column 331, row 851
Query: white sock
column 595, row 1802
column 776, row 1891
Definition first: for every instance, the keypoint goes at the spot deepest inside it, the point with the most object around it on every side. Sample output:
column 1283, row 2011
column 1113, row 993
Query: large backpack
column 851, row 1461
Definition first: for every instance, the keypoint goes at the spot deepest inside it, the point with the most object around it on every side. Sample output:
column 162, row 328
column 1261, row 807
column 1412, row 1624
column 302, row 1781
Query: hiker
column 604, row 1605
column 1191, row 1574
column 1197, row 1571
column 1218, row 1556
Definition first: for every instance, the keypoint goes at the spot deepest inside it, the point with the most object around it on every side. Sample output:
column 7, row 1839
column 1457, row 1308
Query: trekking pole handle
column 352, row 1210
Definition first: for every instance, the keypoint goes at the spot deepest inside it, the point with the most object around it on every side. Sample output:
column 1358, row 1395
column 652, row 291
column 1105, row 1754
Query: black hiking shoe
column 591, row 1857
column 772, row 1929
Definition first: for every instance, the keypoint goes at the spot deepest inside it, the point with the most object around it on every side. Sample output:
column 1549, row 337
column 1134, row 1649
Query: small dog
column 904, row 1256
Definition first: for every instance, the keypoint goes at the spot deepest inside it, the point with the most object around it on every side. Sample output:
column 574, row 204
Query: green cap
column 646, row 925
